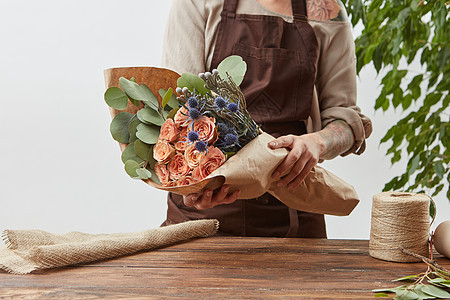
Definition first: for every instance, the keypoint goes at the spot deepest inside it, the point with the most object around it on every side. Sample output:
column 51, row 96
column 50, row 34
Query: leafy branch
column 396, row 35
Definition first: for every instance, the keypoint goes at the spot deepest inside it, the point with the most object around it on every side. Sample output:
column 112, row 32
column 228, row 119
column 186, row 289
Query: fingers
column 291, row 159
column 282, row 142
column 209, row 199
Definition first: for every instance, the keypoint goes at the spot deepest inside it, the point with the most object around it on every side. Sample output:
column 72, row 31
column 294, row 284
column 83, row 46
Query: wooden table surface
column 223, row 267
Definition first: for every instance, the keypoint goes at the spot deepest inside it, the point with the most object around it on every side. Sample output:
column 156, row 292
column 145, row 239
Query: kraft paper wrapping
column 251, row 168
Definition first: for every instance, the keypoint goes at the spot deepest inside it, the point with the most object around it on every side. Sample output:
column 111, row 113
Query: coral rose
column 206, row 129
column 178, row 167
column 169, row 131
column 181, row 118
column 182, row 143
column 163, row 151
column 209, row 163
column 162, row 173
column 193, row 156
column 186, row 180
column 322, row 10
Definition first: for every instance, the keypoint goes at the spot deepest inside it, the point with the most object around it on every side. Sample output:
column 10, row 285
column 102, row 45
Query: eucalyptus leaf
column 130, row 167
column 119, row 126
column 148, row 133
column 143, row 150
column 132, row 130
column 234, row 66
column 172, row 113
column 148, row 115
column 138, row 92
column 116, row 98
column 129, row 154
column 193, row 83
column 143, row 173
column 435, row 291
column 406, row 278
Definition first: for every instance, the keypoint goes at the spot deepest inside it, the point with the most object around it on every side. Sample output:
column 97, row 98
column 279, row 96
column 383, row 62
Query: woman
column 300, row 86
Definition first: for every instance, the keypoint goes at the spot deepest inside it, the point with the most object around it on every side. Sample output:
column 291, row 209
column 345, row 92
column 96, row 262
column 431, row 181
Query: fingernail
column 226, row 190
column 208, row 193
column 273, row 144
column 276, row 174
column 194, row 198
column 238, row 193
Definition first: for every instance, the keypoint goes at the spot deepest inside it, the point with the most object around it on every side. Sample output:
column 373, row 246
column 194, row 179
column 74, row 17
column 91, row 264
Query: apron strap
column 299, row 10
column 293, row 223
column 230, row 6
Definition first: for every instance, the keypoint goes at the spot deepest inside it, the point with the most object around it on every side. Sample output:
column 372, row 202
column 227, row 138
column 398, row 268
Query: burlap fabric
column 30, row 250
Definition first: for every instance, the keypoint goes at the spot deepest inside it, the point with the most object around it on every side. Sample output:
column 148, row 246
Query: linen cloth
column 30, row 250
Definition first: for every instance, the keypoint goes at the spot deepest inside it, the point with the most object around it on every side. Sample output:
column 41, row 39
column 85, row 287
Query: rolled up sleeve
column 336, row 81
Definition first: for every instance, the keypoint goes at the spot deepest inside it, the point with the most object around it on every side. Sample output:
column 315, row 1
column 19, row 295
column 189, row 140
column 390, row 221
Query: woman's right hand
column 210, row 199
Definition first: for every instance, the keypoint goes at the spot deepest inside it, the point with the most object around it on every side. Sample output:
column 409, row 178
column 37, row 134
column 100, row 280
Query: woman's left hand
column 304, row 154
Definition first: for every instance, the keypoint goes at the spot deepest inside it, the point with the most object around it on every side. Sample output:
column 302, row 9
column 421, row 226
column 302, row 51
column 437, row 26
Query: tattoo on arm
column 338, row 137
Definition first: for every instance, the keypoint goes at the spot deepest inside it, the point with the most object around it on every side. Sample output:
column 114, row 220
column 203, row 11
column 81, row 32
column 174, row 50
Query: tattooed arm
column 306, row 150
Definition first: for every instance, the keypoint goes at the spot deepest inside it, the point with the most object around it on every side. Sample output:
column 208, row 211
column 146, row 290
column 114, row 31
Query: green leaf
column 414, row 164
column 138, row 92
column 407, row 295
column 193, row 83
column 167, row 97
column 148, row 133
column 435, row 291
column 172, row 113
column 406, row 278
column 130, row 167
column 173, row 103
column 119, row 126
column 148, row 115
column 132, row 130
column 380, row 295
column 234, row 66
column 143, row 150
column 432, row 210
column 439, row 170
column 129, row 154
column 143, row 173
column 116, row 98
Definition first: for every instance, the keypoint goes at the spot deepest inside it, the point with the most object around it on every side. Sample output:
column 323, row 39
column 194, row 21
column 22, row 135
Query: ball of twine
column 399, row 220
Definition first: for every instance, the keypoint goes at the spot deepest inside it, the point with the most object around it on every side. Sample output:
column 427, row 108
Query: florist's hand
column 209, row 199
column 304, row 153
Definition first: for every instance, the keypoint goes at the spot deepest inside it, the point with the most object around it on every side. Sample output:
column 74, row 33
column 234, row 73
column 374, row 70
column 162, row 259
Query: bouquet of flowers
column 202, row 136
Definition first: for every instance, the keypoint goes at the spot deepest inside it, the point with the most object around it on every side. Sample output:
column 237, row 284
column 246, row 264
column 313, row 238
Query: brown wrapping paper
column 251, row 168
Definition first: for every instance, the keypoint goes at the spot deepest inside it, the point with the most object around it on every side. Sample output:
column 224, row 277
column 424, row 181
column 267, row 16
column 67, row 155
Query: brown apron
column 278, row 87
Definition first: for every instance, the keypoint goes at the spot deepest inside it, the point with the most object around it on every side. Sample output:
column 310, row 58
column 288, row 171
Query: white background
column 60, row 170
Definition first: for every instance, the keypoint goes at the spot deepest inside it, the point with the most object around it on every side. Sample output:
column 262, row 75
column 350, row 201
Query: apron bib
column 281, row 62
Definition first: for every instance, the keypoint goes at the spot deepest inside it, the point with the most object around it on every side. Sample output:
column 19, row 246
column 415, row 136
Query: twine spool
column 399, row 220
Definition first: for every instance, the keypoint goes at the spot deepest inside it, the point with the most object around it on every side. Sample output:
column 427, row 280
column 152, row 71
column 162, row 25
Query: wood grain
column 223, row 267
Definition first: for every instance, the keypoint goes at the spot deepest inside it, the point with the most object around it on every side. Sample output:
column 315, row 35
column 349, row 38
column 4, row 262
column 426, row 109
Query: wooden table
column 218, row 267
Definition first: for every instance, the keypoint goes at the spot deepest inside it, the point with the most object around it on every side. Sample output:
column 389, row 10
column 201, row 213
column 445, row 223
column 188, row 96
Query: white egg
column 441, row 238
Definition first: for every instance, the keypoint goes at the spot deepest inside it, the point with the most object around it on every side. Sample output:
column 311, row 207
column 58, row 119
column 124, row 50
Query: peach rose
column 162, row 173
column 169, row 131
column 193, row 156
column 206, row 129
column 182, row 143
column 322, row 10
column 209, row 163
column 181, row 118
column 186, row 180
column 178, row 167
column 163, row 151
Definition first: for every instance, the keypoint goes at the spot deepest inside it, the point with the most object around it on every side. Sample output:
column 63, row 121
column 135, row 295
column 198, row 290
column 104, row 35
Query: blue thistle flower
column 194, row 113
column 201, row 146
column 192, row 101
column 220, row 102
column 233, row 107
column 231, row 139
column 192, row 136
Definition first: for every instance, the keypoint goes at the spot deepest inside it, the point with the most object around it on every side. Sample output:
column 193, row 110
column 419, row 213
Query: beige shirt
column 190, row 39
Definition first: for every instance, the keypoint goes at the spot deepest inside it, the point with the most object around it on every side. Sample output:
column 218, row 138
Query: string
column 399, row 220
